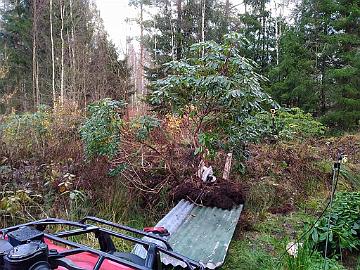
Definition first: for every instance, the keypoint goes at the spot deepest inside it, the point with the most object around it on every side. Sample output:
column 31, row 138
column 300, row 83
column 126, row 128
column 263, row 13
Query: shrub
column 288, row 124
column 344, row 229
column 27, row 135
column 216, row 87
column 308, row 259
column 67, row 119
column 143, row 125
column 18, row 204
column 100, row 132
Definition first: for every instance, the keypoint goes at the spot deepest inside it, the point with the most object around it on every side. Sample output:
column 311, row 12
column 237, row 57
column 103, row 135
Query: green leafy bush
column 216, row 87
column 100, row 132
column 344, row 228
column 294, row 123
column 143, row 125
column 16, row 204
column 27, row 134
column 287, row 124
column 342, row 120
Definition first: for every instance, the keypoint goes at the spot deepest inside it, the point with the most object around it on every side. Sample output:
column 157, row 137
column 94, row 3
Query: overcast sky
column 114, row 14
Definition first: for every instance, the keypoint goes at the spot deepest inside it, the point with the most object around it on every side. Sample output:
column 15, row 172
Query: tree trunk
column 142, row 60
column 34, row 52
column 179, row 35
column 227, row 14
column 203, row 24
column 172, row 33
column 277, row 38
column 155, row 45
column 37, row 84
column 73, row 59
column 263, row 30
column 52, row 53
column 62, row 92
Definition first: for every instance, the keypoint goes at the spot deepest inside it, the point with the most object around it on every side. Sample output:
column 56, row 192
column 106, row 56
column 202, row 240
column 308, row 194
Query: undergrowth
column 137, row 171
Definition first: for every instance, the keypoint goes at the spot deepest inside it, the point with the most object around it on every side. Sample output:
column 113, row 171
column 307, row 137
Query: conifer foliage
column 56, row 50
column 320, row 62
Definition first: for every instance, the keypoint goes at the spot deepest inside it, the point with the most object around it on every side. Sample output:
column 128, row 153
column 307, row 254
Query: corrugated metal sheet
column 200, row 233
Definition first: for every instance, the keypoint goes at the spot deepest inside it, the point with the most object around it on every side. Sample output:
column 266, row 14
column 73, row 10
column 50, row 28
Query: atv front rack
column 107, row 249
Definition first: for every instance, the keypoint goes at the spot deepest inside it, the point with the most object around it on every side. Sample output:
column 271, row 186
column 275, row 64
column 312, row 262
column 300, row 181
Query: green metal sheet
column 200, row 233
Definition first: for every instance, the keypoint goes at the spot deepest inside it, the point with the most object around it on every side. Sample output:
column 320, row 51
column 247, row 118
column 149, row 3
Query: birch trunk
column 34, row 60
column 52, row 52
column 172, row 33
column 37, row 83
column 72, row 47
column 203, row 6
column 155, row 44
column 179, row 38
column 277, row 40
column 62, row 92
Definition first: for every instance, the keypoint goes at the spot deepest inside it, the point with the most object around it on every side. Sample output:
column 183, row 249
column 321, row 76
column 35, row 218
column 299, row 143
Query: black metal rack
column 107, row 247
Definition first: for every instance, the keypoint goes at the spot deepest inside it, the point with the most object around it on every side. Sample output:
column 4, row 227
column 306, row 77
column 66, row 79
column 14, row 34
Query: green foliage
column 144, row 125
column 287, row 124
column 15, row 48
column 18, row 204
column 351, row 177
column 242, row 255
column 308, row 259
column 168, row 37
column 25, row 45
column 209, row 141
column 116, row 171
column 217, row 87
column 319, row 66
column 294, row 123
column 263, row 247
column 27, row 134
column 344, row 224
column 100, row 132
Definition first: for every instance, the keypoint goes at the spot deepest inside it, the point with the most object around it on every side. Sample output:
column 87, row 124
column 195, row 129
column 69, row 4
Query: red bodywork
column 87, row 260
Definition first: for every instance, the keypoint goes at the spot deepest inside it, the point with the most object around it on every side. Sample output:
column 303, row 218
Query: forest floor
column 262, row 235
column 262, row 245
column 284, row 185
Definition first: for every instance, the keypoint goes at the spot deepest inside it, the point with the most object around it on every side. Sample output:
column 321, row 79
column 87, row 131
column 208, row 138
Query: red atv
column 31, row 247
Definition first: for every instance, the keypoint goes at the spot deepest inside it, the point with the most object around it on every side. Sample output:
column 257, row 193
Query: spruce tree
column 319, row 62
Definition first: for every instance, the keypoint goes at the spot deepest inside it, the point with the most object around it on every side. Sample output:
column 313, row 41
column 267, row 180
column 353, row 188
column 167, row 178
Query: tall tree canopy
column 319, row 67
column 54, row 50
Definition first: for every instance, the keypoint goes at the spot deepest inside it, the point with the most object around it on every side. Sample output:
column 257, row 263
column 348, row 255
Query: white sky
column 114, row 13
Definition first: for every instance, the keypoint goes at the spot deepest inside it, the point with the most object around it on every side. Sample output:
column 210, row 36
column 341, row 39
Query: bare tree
column 52, row 51
column 35, row 79
column 72, row 47
column 203, row 6
column 179, row 35
column 142, row 48
column 62, row 13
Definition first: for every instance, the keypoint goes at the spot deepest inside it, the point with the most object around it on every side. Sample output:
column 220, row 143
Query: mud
column 222, row 194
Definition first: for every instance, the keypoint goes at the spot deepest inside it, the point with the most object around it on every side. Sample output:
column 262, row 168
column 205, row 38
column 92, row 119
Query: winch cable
column 336, row 169
column 335, row 179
